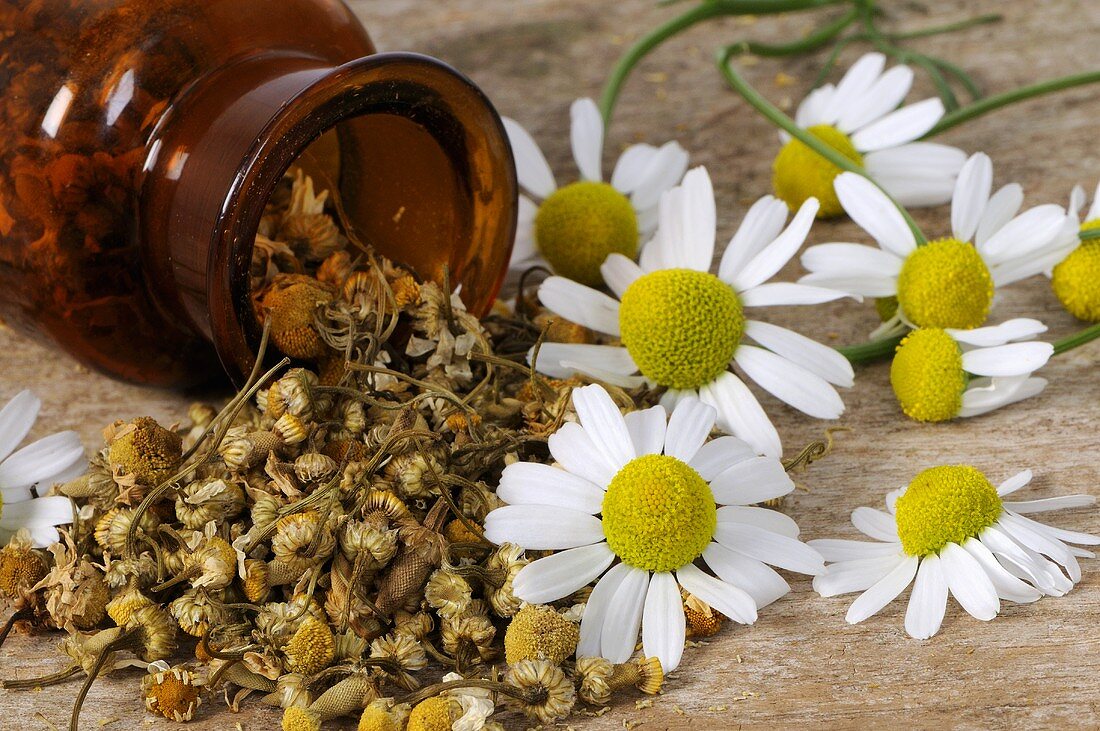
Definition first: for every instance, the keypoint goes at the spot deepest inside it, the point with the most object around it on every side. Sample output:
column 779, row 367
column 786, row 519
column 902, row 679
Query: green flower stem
column 1078, row 338
column 1089, row 234
column 781, row 120
column 812, row 42
column 704, row 11
column 996, row 101
column 949, row 28
column 871, row 351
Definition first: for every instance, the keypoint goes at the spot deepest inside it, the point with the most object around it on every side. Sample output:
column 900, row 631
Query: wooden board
column 801, row 665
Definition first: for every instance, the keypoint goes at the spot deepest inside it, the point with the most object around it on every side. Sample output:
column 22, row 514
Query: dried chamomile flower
column 97, row 486
column 469, row 632
column 113, row 529
column 123, row 572
column 539, row 632
column 212, row 499
column 314, row 467
column 213, row 565
column 171, row 692
column 196, row 612
column 600, row 678
column 477, row 705
column 312, row 647
column 145, row 450
column 303, row 539
column 503, row 565
column 122, row 607
column 405, row 652
column 360, row 538
column 313, row 236
column 418, row 625
column 384, row 715
column 434, row 714
column 278, row 621
column 702, row 619
column 157, row 633
column 950, row 530
column 293, row 394
column 21, row 567
column 76, row 594
column 290, row 303
column 448, row 593
column 548, row 694
column 411, row 474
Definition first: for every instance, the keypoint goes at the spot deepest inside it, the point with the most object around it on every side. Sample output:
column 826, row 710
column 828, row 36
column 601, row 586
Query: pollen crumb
column 679, row 711
column 782, row 79
column 397, row 216
column 645, row 703
column 717, row 709
column 658, row 77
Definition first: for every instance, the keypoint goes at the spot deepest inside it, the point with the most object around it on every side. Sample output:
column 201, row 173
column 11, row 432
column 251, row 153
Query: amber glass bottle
column 140, row 139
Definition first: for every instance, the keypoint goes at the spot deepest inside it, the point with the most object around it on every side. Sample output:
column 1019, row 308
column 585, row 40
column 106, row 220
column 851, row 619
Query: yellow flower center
column 944, row 505
column 799, row 173
column 578, row 226
column 945, row 283
column 658, row 513
column 1076, row 281
column 681, row 326
column 433, row 714
column 927, row 375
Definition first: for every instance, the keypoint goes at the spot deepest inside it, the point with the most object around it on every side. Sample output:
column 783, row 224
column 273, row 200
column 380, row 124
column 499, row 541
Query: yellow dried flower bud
column 300, row 719
column 702, row 619
column 290, row 429
column 383, row 715
column 475, row 629
column 21, row 567
column 335, row 268
column 290, row 303
column 314, row 467
column 448, row 593
column 406, row 291
column 146, row 450
column 457, row 532
column 122, row 607
column 538, row 632
column 312, row 647
column 112, row 529
column 255, row 583
column 293, row 543
column 434, row 714
column 158, row 633
column 595, row 674
column 171, row 693
column 553, row 695
column 311, row 235
column 403, row 650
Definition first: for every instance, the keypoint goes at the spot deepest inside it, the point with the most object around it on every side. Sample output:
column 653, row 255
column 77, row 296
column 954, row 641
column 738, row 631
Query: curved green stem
column 996, row 101
column 812, row 42
column 704, row 11
column 949, row 28
column 1078, row 338
column 781, row 120
column 870, row 351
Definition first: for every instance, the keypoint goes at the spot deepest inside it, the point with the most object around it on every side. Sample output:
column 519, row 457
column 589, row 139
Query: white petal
column 718, row 455
column 762, row 224
column 883, row 591
column 688, row 428
column 560, row 574
column 580, row 304
column 1025, row 563
column 1060, row 534
column 1013, row 359
column 771, row 548
column 751, row 481
column 856, row 84
column 1006, row 585
column 1002, row 206
column 848, row 285
column 524, row 251
column 809, row 111
column 621, row 625
column 851, row 259
column 790, row 383
column 662, row 172
column 840, row 549
column 1041, row 543
column 899, row 127
column 542, row 527
column 765, row 518
column 972, row 191
column 1051, row 503
column 16, row 419
column 882, row 97
column 600, row 601
column 562, row 360
column 928, row 601
column 531, row 483
column 821, row 360
column 1094, row 209
column 787, row 293
column 1021, row 328
column 41, row 459
column 968, row 583
column 629, row 167
column 663, row 622
column 574, row 449
column 531, row 167
column 1012, row 484
column 758, row 580
column 619, row 273
column 740, row 414
column 647, row 429
column 913, row 191
column 985, row 395
column 735, row 603
column 856, row 575
column 875, row 213
column 50, row 510
column 687, row 232
column 875, row 524
column 775, row 255
column 604, row 423
column 586, row 135
column 1026, row 233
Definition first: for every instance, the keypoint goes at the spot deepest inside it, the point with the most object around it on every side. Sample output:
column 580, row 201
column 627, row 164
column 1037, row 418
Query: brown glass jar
column 140, row 140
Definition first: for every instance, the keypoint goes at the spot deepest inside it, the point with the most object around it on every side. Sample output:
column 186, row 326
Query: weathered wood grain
column 801, row 665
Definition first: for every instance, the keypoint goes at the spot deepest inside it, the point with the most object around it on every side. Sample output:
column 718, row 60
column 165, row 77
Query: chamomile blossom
column 681, row 327
column 860, row 119
column 948, row 282
column 1076, row 277
column 650, row 495
column 56, row 458
column 952, row 531
column 575, row 227
column 939, row 374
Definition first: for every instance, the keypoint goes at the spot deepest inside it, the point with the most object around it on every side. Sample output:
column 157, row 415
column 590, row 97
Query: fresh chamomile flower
column 575, row 227
column 940, row 374
column 651, row 495
column 1076, row 277
column 860, row 119
column 56, row 458
column 681, row 327
column 952, row 530
column 948, row 282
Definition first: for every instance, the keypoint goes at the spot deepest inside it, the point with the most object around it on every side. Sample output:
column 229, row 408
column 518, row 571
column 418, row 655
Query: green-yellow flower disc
column 799, row 173
column 658, row 513
column 927, row 375
column 944, row 505
column 1076, row 281
column 578, row 226
column 681, row 326
column 945, row 283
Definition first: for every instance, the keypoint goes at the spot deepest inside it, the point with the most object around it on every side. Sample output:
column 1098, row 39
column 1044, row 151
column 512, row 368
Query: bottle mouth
column 422, row 167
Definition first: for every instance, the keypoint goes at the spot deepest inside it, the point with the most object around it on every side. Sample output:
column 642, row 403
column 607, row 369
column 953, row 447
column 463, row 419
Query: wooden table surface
column 800, row 665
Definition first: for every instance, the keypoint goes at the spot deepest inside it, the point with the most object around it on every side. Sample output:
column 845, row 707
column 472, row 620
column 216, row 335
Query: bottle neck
column 425, row 174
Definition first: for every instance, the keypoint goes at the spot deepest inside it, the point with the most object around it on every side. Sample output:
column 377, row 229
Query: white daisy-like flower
column 938, row 374
column 681, row 327
column 649, row 496
column 951, row 530
column 948, row 282
column 575, row 227
column 860, row 119
column 1075, row 277
column 56, row 458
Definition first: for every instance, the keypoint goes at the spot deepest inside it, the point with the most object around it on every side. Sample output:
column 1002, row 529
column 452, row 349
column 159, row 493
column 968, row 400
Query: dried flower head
column 506, row 561
column 21, row 567
column 434, row 714
column 448, row 593
column 360, row 538
column 291, row 302
column 312, row 647
column 550, row 695
column 76, row 594
column 702, row 619
column 212, row 499
column 411, row 474
column 600, row 678
column 196, row 612
column 471, row 629
column 403, row 650
column 291, row 429
column 122, row 607
column 145, row 450
column 303, row 539
column 171, row 692
column 113, row 529
column 384, row 715
column 314, row 467
column 158, row 633
column 539, row 632
column 313, row 236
